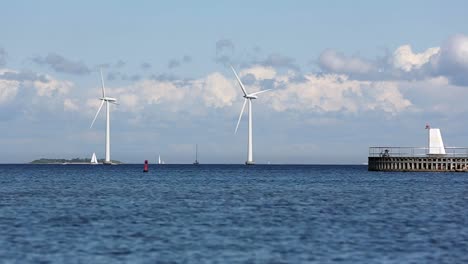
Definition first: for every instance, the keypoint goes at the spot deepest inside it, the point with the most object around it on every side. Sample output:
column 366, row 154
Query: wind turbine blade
column 240, row 116
column 102, row 83
column 97, row 113
column 261, row 92
column 239, row 81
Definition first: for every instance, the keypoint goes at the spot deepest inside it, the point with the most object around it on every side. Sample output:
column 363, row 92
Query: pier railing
column 416, row 152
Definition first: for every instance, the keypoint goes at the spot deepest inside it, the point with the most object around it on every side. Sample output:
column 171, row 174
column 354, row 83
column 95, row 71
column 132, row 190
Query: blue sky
column 346, row 75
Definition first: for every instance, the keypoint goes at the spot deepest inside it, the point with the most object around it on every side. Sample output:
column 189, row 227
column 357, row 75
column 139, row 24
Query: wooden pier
column 416, row 159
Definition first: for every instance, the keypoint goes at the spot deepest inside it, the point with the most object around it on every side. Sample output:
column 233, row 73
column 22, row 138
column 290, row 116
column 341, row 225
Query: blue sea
column 230, row 214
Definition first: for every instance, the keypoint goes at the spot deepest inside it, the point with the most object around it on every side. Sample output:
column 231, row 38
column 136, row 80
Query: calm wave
column 230, row 214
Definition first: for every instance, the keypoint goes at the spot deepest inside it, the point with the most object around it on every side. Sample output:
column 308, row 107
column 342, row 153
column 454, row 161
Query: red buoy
column 145, row 167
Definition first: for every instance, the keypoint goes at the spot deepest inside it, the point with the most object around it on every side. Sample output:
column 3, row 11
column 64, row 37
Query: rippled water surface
column 230, row 214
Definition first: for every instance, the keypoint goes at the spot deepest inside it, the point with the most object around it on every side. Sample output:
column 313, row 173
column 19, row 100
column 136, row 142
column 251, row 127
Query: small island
column 70, row 161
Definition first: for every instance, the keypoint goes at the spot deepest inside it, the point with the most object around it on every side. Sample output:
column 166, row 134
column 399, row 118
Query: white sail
column 94, row 159
column 159, row 160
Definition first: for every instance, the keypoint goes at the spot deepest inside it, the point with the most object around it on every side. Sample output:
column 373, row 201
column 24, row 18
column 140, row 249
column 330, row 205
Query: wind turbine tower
column 247, row 98
column 107, row 100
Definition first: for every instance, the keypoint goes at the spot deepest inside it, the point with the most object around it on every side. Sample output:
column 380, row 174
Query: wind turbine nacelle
column 109, row 99
column 251, row 96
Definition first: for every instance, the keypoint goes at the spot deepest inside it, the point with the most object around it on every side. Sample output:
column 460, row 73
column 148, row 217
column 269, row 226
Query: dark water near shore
column 230, row 214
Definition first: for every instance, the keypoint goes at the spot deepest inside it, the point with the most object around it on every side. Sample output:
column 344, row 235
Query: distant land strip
column 69, row 161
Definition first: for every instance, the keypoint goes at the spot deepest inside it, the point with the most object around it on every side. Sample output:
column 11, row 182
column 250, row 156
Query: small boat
column 94, row 159
column 196, row 155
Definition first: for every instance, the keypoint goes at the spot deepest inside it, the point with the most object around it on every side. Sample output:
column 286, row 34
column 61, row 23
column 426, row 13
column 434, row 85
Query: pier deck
column 417, row 159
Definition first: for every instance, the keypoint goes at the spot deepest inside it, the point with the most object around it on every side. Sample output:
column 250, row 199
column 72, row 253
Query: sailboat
column 159, row 160
column 196, row 155
column 94, row 159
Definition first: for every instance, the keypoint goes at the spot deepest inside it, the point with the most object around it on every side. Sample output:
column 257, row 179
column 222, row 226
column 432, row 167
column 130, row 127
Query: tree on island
column 74, row 160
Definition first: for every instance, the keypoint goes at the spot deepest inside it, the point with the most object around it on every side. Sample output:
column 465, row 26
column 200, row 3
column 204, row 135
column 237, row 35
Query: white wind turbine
column 107, row 100
column 248, row 97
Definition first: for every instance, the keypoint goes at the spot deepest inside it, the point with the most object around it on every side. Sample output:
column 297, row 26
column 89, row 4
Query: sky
column 345, row 76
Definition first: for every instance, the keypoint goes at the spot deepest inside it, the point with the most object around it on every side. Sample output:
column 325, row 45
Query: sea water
column 230, row 214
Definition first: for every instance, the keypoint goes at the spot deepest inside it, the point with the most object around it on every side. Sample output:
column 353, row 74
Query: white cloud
column 214, row 90
column 70, row 105
column 52, row 86
column 260, row 72
column 154, row 92
column 455, row 51
column 93, row 103
column 387, row 97
column 8, row 90
column 436, row 95
column 45, row 85
column 217, row 91
column 130, row 101
column 450, row 61
column 337, row 93
column 453, row 60
column 332, row 61
column 405, row 59
column 321, row 93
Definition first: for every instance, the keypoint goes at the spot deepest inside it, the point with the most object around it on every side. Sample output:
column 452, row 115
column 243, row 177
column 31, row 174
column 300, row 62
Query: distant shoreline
column 65, row 163
column 75, row 161
column 190, row 164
